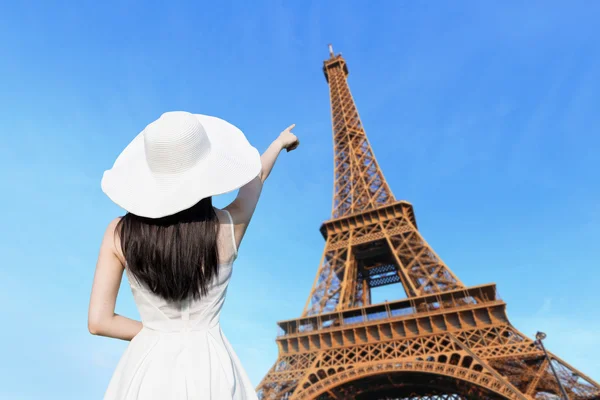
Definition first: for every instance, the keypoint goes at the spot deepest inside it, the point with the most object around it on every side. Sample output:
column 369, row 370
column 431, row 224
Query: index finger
column 289, row 128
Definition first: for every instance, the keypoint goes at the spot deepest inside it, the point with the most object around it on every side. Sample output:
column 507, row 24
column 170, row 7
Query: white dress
column 181, row 352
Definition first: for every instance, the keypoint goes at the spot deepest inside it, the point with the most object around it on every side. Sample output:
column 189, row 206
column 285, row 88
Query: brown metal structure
column 444, row 341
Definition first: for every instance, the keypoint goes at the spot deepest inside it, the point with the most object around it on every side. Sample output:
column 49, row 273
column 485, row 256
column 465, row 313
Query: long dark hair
column 176, row 257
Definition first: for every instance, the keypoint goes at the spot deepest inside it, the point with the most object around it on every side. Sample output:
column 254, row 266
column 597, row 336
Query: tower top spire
column 359, row 184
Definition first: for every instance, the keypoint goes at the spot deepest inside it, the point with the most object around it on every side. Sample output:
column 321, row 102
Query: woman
column 177, row 252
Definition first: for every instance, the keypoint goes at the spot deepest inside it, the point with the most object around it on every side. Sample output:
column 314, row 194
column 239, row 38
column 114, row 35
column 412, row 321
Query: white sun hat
column 178, row 160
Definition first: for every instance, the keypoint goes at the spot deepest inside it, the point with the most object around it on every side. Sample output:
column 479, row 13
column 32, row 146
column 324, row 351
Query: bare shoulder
column 112, row 240
column 111, row 229
column 113, row 224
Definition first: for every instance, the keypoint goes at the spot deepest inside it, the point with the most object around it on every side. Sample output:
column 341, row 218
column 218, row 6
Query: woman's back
column 158, row 312
column 181, row 352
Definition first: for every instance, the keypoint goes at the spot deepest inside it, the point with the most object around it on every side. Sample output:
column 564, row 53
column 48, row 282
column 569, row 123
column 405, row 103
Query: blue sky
column 484, row 115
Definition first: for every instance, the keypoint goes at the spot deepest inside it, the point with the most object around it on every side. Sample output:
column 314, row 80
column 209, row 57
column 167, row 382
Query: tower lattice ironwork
column 444, row 341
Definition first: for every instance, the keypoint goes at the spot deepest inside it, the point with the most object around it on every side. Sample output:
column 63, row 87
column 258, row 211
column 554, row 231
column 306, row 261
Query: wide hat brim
column 231, row 163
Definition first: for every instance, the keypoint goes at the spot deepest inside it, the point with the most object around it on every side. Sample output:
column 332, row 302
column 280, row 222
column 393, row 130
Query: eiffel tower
column 443, row 341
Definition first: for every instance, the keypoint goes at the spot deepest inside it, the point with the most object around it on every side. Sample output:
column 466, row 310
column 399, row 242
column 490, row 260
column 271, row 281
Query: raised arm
column 242, row 208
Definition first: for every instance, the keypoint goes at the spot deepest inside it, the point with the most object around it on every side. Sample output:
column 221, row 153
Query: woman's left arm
column 102, row 319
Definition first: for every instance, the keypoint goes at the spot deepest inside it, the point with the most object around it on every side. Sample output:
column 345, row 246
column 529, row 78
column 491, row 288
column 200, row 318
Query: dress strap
column 235, row 250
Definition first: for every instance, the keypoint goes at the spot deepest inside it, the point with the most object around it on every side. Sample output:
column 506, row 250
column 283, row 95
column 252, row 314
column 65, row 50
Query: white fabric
column 181, row 352
column 178, row 160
